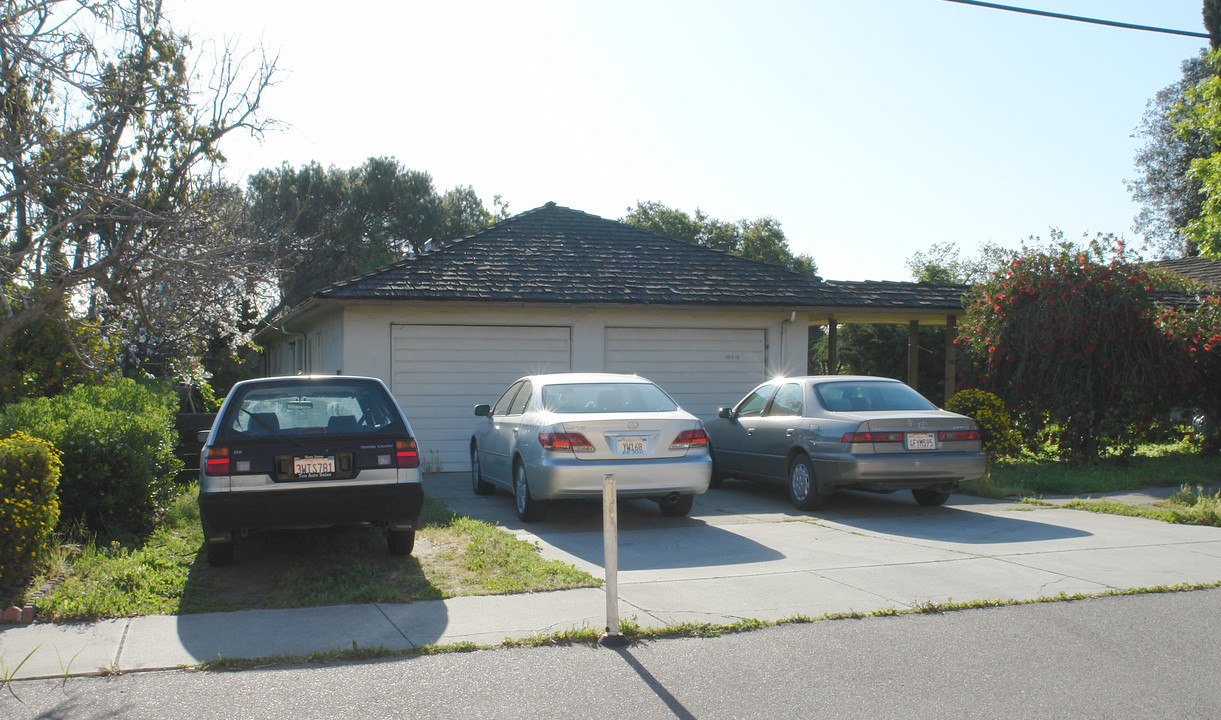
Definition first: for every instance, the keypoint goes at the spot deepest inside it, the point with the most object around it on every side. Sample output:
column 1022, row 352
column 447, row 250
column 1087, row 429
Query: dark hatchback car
column 309, row 451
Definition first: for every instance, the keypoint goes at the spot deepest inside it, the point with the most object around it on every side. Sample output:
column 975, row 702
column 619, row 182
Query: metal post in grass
column 610, row 552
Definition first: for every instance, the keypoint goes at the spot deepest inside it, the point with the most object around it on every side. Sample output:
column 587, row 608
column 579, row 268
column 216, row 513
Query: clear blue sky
column 869, row 128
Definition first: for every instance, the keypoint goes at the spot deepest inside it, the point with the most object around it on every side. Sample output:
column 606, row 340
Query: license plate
column 921, row 441
column 632, row 446
column 314, row 466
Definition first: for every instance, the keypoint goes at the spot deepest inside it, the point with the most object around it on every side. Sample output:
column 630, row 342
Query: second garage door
column 701, row 368
column 440, row 372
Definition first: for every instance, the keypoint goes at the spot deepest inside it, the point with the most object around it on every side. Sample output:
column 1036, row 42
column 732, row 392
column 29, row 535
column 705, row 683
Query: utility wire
column 1078, row 18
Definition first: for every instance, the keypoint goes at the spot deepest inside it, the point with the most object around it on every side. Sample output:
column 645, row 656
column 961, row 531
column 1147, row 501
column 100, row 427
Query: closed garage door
column 440, row 372
column 701, row 368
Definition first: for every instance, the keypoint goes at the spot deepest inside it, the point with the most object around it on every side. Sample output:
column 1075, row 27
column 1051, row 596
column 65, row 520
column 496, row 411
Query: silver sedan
column 816, row 434
column 557, row 436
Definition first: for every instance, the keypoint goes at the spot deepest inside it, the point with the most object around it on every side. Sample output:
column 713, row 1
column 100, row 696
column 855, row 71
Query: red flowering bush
column 1197, row 327
column 1069, row 339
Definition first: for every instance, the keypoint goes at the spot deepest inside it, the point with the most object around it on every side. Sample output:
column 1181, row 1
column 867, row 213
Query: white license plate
column 314, row 466
column 921, row 441
column 632, row 446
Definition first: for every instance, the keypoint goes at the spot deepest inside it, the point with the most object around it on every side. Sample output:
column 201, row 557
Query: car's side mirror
column 202, row 436
column 483, row 410
column 726, row 413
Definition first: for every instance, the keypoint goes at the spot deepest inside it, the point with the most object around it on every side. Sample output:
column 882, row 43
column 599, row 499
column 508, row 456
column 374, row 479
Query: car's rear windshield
column 869, row 396
column 607, row 397
column 293, row 408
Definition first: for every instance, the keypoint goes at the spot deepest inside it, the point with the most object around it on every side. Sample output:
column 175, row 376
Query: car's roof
column 833, row 378
column 575, row 378
column 308, row 379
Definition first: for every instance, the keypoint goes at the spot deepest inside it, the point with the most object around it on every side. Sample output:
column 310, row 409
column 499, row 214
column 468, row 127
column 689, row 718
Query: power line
column 1078, row 18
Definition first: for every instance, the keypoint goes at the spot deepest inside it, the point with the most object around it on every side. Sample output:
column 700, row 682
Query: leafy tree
column 1169, row 195
column 112, row 212
column 1067, row 337
column 333, row 223
column 761, row 239
column 1212, row 22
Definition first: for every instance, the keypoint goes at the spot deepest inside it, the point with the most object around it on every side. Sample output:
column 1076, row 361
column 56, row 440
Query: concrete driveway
column 745, row 552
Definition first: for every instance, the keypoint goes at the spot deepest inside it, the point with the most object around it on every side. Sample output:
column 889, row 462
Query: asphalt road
column 1123, row 657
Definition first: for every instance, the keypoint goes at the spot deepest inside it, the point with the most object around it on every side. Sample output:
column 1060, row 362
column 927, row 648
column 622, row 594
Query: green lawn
column 168, row 573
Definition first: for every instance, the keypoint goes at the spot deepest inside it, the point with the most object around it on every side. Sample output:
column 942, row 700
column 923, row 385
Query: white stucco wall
column 363, row 336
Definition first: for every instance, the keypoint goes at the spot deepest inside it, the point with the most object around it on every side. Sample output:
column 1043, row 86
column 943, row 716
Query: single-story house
column 554, row 290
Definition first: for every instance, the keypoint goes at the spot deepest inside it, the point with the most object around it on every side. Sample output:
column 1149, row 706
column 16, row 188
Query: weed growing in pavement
column 632, row 631
column 7, row 674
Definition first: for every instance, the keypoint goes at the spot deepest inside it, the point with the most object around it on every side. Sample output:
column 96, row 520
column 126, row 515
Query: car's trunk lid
column 630, row 437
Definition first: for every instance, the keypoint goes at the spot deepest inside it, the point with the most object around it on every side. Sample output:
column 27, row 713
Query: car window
column 752, row 405
column 293, row 407
column 502, row 405
column 787, row 400
column 869, row 396
column 523, row 397
column 607, row 397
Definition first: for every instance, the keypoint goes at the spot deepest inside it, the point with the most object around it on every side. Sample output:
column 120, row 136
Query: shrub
column 1071, row 340
column 995, row 423
column 29, row 506
column 117, row 440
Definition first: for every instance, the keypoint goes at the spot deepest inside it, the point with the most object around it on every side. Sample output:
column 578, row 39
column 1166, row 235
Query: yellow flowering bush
column 29, row 502
column 995, row 424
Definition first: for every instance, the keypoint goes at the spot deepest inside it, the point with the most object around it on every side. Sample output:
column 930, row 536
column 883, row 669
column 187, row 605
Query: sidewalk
column 741, row 554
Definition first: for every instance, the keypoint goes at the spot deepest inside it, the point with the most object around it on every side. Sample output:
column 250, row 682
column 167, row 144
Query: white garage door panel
column 440, row 372
column 702, row 368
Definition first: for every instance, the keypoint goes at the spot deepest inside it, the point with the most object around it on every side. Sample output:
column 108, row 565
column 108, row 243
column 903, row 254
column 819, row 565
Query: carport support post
column 610, row 551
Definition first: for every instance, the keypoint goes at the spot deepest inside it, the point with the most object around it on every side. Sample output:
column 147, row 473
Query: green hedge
column 117, row 440
column 29, row 506
column 995, row 424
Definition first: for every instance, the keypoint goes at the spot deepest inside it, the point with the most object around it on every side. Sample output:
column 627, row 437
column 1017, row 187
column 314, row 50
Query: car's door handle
column 750, row 431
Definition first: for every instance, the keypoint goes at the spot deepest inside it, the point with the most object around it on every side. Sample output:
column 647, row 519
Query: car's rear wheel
column 678, row 508
column 803, row 489
column 931, row 497
column 478, row 484
column 400, row 542
column 220, row 553
column 528, row 509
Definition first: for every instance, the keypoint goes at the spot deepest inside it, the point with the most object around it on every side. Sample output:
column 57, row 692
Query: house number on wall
column 733, row 357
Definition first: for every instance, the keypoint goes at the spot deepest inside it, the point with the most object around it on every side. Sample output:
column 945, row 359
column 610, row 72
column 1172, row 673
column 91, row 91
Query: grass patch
column 1165, row 465
column 168, row 573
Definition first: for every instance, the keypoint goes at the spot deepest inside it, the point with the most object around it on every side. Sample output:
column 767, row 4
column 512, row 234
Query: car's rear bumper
column 896, row 472
column 393, row 504
column 567, row 477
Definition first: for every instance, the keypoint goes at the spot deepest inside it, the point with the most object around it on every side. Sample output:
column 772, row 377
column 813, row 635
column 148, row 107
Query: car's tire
column 678, row 508
column 219, row 553
column 803, row 489
column 931, row 497
column 718, row 477
column 478, row 484
column 400, row 542
column 528, row 509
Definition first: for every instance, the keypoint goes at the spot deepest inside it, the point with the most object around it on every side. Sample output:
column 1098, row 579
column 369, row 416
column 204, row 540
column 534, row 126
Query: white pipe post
column 610, row 551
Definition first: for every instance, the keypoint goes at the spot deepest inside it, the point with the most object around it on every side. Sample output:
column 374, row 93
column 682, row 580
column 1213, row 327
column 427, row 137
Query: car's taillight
column 688, row 439
column 217, row 462
column 872, row 437
column 406, row 454
column 958, row 435
column 561, row 441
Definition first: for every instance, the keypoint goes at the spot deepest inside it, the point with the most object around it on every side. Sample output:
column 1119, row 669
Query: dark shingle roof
column 556, row 254
column 1201, row 270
